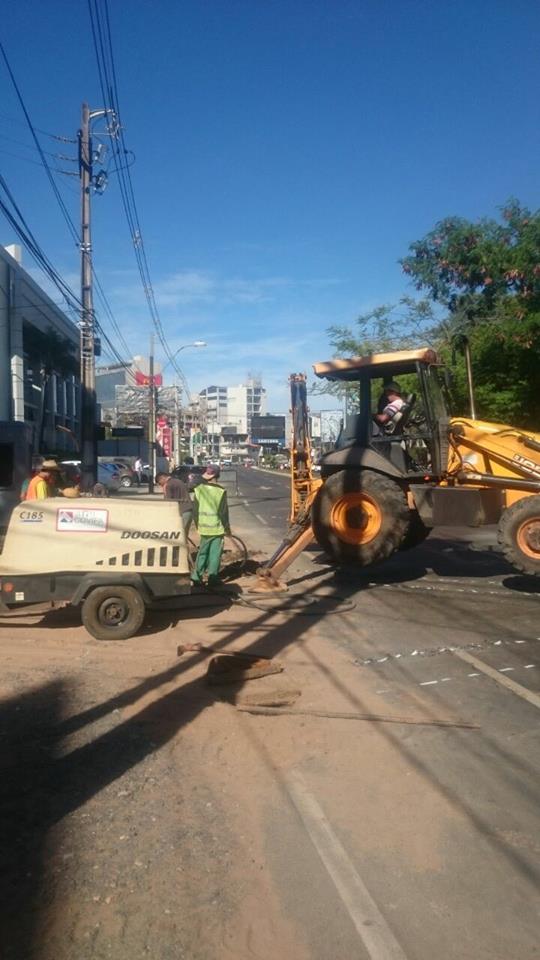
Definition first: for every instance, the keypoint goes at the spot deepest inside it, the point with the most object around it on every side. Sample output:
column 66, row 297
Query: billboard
column 269, row 428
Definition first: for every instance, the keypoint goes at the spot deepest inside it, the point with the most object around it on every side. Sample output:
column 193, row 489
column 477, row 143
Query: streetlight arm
column 196, row 343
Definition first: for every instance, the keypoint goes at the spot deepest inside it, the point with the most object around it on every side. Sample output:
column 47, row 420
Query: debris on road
column 235, row 668
column 273, row 711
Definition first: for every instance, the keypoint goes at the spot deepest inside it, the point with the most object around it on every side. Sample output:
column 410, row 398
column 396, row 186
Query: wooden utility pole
column 152, row 417
column 88, row 360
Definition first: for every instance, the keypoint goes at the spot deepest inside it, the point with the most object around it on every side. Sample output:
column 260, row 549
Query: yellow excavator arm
column 304, row 487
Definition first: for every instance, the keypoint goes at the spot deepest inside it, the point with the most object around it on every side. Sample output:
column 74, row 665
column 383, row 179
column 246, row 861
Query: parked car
column 190, row 473
column 109, row 476
column 128, row 477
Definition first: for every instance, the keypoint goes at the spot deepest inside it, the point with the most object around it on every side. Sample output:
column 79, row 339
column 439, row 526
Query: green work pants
column 209, row 558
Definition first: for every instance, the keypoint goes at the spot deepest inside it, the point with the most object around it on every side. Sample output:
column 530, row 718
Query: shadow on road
column 40, row 787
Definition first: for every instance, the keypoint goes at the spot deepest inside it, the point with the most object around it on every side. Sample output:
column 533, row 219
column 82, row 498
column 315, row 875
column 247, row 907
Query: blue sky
column 287, row 152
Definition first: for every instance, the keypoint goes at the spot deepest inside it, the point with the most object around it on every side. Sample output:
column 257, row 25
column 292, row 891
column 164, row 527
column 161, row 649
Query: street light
column 196, row 343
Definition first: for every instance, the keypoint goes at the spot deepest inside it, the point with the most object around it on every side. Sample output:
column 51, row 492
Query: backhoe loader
column 384, row 486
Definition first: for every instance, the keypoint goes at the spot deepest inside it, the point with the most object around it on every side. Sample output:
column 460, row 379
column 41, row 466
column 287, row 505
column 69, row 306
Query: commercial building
column 39, row 381
column 268, row 432
column 216, row 403
column 39, row 364
column 235, row 406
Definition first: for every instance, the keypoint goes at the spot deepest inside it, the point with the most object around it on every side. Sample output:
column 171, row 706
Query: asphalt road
column 148, row 815
column 451, row 627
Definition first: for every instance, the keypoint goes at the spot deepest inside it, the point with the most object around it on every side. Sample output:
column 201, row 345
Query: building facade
column 235, row 406
column 39, row 360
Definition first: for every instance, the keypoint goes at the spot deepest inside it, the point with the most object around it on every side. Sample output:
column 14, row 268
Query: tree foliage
column 480, row 280
column 484, row 271
column 407, row 324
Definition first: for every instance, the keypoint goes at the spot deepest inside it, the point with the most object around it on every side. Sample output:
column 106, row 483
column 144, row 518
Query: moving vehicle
column 99, row 556
column 384, row 486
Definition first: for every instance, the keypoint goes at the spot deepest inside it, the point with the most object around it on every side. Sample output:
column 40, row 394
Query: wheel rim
column 356, row 518
column 113, row 612
column 528, row 538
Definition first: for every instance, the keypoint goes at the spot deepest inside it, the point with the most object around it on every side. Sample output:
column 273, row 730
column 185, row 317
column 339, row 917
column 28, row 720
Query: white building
column 216, row 403
column 244, row 402
column 235, row 406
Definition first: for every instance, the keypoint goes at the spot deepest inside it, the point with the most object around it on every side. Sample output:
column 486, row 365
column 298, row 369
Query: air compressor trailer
column 110, row 557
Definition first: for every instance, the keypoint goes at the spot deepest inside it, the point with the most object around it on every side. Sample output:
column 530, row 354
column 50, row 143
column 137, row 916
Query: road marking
column 433, row 651
column 259, row 518
column 505, row 681
column 370, row 924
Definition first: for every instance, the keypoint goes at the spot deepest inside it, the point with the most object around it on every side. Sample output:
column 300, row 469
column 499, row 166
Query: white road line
column 505, row 681
column 370, row 924
column 259, row 518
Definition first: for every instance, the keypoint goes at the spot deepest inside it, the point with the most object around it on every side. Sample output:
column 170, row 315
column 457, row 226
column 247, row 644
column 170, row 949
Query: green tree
column 487, row 275
column 483, row 271
column 400, row 326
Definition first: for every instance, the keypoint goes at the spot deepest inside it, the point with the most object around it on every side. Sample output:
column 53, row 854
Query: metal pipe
column 509, row 483
column 468, row 367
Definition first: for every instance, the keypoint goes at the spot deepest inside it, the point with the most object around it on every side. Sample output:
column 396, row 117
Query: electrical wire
column 103, row 48
column 65, row 213
column 17, row 220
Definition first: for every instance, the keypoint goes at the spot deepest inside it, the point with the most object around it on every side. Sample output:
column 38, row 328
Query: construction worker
column 174, row 489
column 211, row 516
column 45, row 482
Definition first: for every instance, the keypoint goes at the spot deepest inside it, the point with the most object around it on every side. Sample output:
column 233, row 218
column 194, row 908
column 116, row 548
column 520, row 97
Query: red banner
column 164, row 436
column 143, row 380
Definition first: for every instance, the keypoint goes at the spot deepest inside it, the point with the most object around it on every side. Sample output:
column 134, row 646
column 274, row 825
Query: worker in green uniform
column 211, row 516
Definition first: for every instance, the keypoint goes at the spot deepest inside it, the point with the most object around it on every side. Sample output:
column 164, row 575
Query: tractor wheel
column 416, row 533
column 360, row 516
column 113, row 613
column 519, row 535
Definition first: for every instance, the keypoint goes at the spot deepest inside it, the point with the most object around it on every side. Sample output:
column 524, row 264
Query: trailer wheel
column 519, row 535
column 416, row 533
column 113, row 613
column 360, row 516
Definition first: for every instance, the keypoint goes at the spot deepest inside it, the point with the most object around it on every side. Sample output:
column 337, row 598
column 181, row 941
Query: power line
column 71, row 226
column 45, row 133
column 65, row 213
column 24, row 232
column 103, row 48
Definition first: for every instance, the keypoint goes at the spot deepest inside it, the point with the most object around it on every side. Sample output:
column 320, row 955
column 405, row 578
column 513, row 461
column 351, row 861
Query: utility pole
column 152, row 418
column 88, row 360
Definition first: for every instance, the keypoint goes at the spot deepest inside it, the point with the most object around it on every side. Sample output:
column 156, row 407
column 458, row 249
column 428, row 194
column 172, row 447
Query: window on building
column 6, row 464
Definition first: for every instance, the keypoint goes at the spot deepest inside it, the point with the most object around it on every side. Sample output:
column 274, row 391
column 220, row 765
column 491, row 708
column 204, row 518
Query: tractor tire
column 416, row 533
column 519, row 535
column 113, row 613
column 360, row 517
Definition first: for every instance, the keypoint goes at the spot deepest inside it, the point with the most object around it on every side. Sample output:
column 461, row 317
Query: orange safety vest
column 38, row 489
